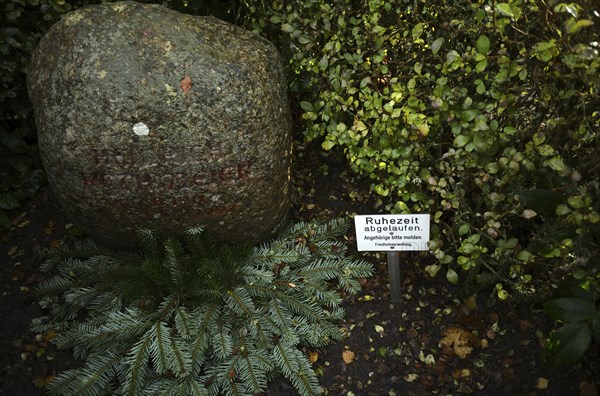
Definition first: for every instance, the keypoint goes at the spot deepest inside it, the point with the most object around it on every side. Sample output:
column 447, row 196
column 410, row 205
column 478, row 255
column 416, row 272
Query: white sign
column 392, row 232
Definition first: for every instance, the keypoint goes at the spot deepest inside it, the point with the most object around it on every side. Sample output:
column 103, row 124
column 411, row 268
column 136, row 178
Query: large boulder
column 149, row 118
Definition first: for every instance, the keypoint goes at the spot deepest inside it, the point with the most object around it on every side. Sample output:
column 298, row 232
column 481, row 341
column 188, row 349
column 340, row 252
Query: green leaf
column 542, row 201
column 576, row 202
column 417, row 31
column 436, row 45
column 568, row 344
column 556, row 163
column 469, row 115
column 578, row 288
column 327, row 145
column 9, row 201
column 504, row 9
column 481, row 65
column 546, row 150
column 4, row 219
column 524, row 256
column 461, row 140
column 573, row 27
column 523, row 74
column 569, row 309
column 452, row 276
column 307, row 106
column 365, row 81
column 511, row 243
column 389, row 107
column 483, row 44
column 286, row 27
column 480, row 87
column 562, row 210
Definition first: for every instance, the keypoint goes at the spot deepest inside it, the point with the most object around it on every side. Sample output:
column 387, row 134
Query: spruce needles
column 197, row 317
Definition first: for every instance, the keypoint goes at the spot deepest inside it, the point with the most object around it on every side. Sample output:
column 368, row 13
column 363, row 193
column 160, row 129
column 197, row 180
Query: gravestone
column 149, row 118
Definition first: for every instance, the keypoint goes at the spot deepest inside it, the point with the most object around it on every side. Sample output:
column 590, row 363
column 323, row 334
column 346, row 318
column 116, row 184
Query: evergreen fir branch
column 282, row 318
column 353, row 270
column 311, row 334
column 150, row 243
column 204, row 317
column 252, row 275
column 322, row 293
column 274, row 254
column 174, row 260
column 82, row 296
column 295, row 367
column 137, row 360
column 321, row 269
column 119, row 326
column 42, row 324
column 153, row 267
column 187, row 385
column 106, row 303
column 240, row 302
column 330, row 331
column 299, row 305
column 131, row 283
column 261, row 330
column 200, row 317
column 285, row 359
column 185, row 327
column 167, row 308
column 198, row 349
column 221, row 340
column 92, row 380
column 179, row 357
column 305, row 380
column 251, row 373
column 252, row 366
column 358, row 269
column 159, row 348
column 55, row 286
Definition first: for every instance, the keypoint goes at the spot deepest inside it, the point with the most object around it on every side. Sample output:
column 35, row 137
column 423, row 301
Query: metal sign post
column 393, row 261
column 392, row 233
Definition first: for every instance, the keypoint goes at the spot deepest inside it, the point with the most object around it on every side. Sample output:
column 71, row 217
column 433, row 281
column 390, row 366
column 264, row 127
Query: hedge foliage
column 485, row 114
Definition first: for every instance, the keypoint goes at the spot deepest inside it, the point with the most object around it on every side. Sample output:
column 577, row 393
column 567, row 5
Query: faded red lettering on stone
column 168, row 181
column 243, row 170
column 91, row 179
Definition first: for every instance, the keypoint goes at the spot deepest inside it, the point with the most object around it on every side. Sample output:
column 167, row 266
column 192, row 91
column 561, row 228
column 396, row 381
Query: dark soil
column 437, row 339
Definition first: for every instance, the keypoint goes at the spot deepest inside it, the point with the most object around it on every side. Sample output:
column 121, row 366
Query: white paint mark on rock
column 141, row 129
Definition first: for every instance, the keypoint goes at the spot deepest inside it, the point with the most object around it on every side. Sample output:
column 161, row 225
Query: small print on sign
column 392, row 232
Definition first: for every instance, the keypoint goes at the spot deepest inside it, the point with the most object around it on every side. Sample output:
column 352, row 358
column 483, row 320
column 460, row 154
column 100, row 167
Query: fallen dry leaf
column 56, row 243
column 542, row 383
column 432, row 270
column 313, row 356
column 186, row 84
column 348, row 356
column 471, row 302
column 50, row 229
column 588, row 389
column 459, row 341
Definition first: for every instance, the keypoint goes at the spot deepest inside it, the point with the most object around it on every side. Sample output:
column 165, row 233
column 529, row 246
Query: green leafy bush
column 485, row 114
column 198, row 317
column 23, row 23
column 575, row 306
